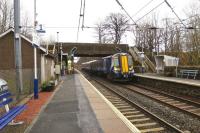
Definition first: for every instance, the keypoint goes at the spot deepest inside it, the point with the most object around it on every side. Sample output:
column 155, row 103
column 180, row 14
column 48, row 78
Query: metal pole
column 18, row 52
column 157, row 44
column 35, row 55
column 57, row 48
column 61, row 56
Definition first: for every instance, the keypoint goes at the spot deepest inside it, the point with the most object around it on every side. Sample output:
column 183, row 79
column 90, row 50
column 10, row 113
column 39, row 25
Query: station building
column 45, row 63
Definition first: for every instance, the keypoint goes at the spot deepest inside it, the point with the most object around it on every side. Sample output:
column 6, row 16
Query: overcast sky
column 65, row 13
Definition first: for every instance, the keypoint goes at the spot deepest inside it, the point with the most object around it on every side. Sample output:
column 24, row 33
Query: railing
column 147, row 63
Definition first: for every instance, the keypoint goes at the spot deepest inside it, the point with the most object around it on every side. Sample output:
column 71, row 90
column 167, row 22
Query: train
column 117, row 67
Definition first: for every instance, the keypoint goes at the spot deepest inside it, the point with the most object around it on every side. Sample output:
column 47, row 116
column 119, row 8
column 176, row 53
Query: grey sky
column 65, row 13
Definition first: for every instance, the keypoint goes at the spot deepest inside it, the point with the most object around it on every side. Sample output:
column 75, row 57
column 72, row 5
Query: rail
column 184, row 105
column 123, row 103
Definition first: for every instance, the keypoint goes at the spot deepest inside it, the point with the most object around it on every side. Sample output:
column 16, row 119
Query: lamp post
column 57, row 47
column 61, row 59
column 35, row 55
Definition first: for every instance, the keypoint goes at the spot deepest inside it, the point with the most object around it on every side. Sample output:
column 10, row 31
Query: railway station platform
column 76, row 107
column 172, row 85
column 185, row 81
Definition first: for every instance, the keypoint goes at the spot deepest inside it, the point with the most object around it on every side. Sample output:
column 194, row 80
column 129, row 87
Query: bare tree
column 25, row 28
column 112, row 29
column 6, row 15
column 100, row 31
column 116, row 25
column 148, row 37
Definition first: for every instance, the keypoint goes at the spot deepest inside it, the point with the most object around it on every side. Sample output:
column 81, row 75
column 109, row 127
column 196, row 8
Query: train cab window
column 116, row 62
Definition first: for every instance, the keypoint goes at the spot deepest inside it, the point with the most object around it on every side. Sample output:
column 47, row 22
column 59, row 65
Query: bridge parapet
column 93, row 49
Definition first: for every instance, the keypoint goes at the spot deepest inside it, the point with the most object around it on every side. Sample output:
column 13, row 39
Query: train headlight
column 131, row 68
column 116, row 69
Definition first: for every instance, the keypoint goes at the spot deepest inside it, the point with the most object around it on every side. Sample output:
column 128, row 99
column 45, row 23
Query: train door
column 104, row 66
column 124, row 63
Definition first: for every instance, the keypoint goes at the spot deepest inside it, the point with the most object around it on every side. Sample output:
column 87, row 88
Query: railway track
column 184, row 105
column 141, row 118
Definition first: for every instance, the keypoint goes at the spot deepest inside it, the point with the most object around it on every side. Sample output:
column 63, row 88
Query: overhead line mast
column 79, row 21
column 81, row 15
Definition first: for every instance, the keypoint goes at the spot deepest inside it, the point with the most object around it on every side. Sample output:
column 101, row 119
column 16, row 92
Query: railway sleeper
column 164, row 98
column 172, row 102
column 113, row 98
column 139, row 120
column 148, row 127
column 159, row 97
column 148, row 93
column 168, row 100
column 135, row 116
column 116, row 101
column 179, row 104
column 186, row 107
column 121, row 104
column 125, row 110
column 152, row 130
column 145, row 124
column 131, row 113
column 123, row 107
column 194, row 110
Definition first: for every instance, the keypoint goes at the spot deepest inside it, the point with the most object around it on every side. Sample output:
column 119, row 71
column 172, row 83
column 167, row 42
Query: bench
column 188, row 73
column 9, row 115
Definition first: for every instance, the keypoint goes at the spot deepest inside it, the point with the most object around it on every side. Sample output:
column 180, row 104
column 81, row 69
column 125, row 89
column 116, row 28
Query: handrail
column 147, row 63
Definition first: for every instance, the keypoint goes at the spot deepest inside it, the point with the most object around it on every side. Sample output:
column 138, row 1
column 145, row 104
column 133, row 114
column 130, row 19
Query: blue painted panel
column 6, row 102
column 1, row 92
column 8, row 117
column 5, row 95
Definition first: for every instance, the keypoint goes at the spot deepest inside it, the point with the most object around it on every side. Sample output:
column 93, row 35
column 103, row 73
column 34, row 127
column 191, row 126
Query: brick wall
column 7, row 60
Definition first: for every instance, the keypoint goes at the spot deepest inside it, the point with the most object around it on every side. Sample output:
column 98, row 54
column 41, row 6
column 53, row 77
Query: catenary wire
column 143, row 8
column 150, row 11
column 174, row 12
column 126, row 12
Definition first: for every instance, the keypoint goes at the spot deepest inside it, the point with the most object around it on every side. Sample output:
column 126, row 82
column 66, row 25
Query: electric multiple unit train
column 118, row 67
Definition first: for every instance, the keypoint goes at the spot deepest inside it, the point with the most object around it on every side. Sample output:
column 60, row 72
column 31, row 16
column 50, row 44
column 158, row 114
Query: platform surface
column 185, row 81
column 77, row 108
